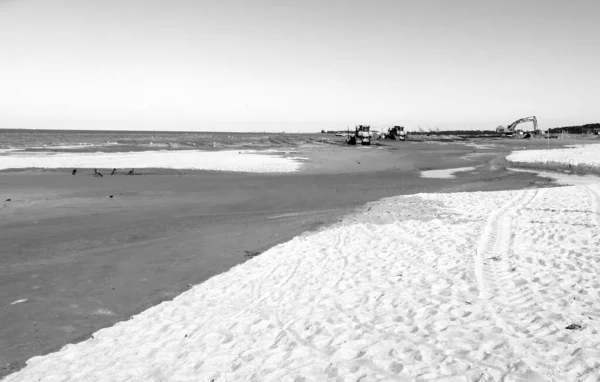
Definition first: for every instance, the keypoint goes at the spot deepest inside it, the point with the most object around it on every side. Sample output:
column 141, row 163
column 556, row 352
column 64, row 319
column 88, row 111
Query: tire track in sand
column 528, row 327
column 495, row 244
column 595, row 196
column 506, row 295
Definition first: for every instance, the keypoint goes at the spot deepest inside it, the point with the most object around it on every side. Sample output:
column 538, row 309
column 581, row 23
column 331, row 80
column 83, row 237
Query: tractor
column 396, row 133
column 362, row 134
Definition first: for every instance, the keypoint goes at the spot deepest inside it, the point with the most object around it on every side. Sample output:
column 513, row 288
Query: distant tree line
column 580, row 129
column 453, row 132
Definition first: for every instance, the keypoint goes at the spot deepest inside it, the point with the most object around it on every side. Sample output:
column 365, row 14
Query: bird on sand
column 113, row 171
column 130, row 172
column 74, row 172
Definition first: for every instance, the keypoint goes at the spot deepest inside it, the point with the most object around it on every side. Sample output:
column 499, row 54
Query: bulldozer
column 396, row 133
column 362, row 134
column 511, row 129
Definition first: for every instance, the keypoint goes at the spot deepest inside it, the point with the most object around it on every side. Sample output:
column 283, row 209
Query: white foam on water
column 77, row 146
column 246, row 161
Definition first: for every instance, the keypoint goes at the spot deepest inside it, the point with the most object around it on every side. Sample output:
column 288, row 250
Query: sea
column 127, row 141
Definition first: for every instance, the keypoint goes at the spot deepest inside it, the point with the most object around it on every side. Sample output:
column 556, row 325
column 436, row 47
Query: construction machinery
column 362, row 134
column 511, row 129
column 396, row 133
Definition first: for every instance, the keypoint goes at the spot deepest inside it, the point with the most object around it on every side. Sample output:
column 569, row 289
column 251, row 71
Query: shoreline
column 561, row 168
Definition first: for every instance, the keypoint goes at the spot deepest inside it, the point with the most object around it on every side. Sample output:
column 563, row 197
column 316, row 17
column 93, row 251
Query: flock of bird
column 98, row 173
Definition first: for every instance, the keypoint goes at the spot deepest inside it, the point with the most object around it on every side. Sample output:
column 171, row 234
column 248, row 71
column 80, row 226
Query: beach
column 81, row 260
column 393, row 293
column 299, row 191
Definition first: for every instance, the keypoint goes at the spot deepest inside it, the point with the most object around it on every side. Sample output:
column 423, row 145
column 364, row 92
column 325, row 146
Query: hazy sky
column 297, row 65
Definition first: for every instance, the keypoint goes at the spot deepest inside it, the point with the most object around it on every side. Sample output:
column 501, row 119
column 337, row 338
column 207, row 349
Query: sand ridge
column 236, row 161
column 584, row 157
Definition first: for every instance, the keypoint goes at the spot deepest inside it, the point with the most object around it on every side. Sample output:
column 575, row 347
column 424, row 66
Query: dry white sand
column 427, row 286
column 588, row 155
column 238, row 161
column 467, row 286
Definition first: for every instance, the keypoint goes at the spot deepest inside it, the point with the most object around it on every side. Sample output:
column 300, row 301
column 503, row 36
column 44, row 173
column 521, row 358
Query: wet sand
column 83, row 261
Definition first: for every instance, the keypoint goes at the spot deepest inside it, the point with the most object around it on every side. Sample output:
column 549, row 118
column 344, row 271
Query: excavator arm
column 512, row 127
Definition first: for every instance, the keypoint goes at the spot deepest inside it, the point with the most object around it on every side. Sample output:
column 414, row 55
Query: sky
column 280, row 65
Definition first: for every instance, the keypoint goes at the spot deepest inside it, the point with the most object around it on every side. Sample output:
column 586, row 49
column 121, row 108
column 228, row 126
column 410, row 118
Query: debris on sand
column 251, row 253
column 574, row 327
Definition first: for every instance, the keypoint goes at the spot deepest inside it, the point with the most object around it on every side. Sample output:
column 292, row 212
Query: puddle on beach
column 445, row 174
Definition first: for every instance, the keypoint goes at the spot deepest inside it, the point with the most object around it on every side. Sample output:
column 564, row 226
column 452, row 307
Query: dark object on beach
column 362, row 134
column 8, row 200
column 130, row 172
column 113, row 171
column 110, row 196
column 96, row 173
column 251, row 253
column 74, row 172
column 574, row 327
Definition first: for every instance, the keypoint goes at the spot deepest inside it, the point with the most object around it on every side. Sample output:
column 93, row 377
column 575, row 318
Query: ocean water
column 127, row 141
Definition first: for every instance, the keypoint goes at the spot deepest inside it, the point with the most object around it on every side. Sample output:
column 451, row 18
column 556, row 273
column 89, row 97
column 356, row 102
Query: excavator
column 510, row 130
